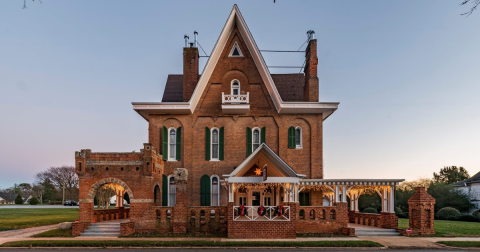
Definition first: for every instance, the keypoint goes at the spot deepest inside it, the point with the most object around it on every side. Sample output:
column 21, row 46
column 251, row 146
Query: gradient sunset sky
column 406, row 75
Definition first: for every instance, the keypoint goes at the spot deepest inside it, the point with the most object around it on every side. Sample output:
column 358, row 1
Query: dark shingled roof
column 474, row 179
column 290, row 87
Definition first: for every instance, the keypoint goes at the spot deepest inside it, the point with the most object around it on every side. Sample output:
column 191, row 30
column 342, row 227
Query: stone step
column 97, row 229
column 101, row 234
column 379, row 232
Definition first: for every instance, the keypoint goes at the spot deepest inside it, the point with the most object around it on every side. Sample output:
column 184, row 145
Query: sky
column 405, row 73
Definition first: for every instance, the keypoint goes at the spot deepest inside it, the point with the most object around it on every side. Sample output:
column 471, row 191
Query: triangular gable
column 235, row 19
column 276, row 167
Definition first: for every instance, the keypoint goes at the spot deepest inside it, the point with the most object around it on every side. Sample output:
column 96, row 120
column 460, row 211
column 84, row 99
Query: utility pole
column 63, row 191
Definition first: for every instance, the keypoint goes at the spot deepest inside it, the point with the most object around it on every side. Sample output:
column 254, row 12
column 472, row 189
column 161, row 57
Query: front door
column 255, row 201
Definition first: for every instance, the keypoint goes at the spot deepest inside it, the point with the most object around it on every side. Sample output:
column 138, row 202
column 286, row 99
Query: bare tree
column 38, row 191
column 61, row 177
column 474, row 5
column 104, row 194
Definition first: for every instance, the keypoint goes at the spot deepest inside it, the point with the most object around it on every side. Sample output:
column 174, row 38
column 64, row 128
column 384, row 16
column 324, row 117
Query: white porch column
column 357, row 195
column 352, row 201
column 277, row 196
column 337, row 193
column 391, row 200
column 297, row 193
column 292, row 193
column 230, row 192
column 384, row 200
column 344, row 193
column 330, row 199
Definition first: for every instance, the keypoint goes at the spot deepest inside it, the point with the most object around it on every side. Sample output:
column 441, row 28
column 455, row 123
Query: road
column 219, row 250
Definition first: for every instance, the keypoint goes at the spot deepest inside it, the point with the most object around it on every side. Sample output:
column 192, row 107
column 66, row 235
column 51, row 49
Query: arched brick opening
column 96, row 186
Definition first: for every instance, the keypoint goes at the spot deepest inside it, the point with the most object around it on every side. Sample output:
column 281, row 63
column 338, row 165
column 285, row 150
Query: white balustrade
column 251, row 214
column 235, row 98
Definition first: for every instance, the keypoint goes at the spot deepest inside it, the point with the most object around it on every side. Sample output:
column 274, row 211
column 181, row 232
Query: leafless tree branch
column 475, row 4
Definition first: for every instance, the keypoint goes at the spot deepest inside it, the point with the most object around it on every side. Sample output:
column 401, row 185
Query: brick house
column 234, row 150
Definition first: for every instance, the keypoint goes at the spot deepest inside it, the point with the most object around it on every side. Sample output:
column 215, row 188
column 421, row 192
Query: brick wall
column 326, row 220
column 79, row 227
column 127, row 228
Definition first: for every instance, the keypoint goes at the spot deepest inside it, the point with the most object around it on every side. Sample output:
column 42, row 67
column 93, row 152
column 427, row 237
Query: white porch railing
column 251, row 214
column 235, row 98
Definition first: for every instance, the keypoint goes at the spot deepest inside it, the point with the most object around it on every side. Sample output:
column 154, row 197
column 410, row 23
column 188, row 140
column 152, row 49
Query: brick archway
column 94, row 188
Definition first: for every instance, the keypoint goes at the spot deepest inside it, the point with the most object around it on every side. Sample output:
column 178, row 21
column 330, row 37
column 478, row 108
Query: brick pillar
column 190, row 71
column 351, row 216
column 310, row 92
column 179, row 214
column 85, row 212
column 342, row 213
column 421, row 212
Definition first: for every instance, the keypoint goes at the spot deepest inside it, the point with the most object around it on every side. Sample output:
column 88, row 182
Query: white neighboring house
column 471, row 187
column 2, row 200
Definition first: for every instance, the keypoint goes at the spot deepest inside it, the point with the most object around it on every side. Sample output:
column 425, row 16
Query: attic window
column 235, row 52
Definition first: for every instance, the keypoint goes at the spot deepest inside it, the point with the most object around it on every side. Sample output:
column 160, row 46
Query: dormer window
column 235, row 87
column 235, row 52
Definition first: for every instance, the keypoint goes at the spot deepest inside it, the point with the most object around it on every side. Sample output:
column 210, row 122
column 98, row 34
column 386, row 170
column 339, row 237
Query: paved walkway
column 27, row 232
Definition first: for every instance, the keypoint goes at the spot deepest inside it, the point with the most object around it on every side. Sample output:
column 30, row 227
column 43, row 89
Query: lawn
column 445, row 228
column 139, row 243
column 17, row 218
column 56, row 233
column 462, row 244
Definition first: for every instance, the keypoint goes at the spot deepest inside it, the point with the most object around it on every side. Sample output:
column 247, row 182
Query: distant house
column 9, row 198
column 2, row 200
column 471, row 187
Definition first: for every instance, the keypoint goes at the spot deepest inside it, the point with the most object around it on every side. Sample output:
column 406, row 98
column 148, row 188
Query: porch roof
column 391, row 182
column 272, row 159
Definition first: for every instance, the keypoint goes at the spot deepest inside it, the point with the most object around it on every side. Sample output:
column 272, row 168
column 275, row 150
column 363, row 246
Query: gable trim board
column 235, row 18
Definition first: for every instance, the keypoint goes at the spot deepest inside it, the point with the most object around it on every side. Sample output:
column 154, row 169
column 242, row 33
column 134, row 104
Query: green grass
column 17, row 218
column 445, row 228
column 157, row 234
column 56, row 233
column 462, row 244
column 130, row 243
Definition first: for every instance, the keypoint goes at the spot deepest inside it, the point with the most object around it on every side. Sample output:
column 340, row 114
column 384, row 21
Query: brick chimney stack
column 310, row 92
column 190, row 71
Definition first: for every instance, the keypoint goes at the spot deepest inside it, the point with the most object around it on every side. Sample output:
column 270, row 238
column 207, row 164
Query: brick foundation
column 79, row 227
column 127, row 228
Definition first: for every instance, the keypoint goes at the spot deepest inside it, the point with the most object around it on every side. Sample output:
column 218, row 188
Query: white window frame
column 211, row 145
column 235, row 45
column 174, row 144
column 168, row 179
column 231, row 86
column 211, row 190
column 259, row 137
column 301, row 138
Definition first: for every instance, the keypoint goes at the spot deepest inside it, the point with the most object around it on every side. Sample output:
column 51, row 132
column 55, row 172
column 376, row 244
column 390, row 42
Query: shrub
column 370, row 210
column 448, row 213
column 476, row 214
column 19, row 199
column 400, row 213
column 33, row 201
column 467, row 217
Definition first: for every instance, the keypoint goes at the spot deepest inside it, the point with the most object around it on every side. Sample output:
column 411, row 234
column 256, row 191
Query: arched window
column 156, row 195
column 298, row 137
column 255, row 139
column 171, row 191
column 235, row 87
column 205, row 190
column 215, row 142
column 172, row 140
column 215, row 191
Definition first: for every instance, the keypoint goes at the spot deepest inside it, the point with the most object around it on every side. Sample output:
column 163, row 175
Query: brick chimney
column 190, row 71
column 310, row 92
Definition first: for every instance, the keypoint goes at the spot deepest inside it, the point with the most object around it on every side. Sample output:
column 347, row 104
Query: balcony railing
column 235, row 98
column 270, row 213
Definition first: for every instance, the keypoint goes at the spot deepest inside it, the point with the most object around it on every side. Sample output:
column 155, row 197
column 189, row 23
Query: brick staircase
column 104, row 229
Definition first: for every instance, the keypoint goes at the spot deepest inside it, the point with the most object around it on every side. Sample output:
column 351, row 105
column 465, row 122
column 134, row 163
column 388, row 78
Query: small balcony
column 235, row 104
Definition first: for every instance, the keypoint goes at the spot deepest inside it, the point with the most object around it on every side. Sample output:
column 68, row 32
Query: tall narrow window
column 215, row 191
column 215, row 142
column 235, row 87
column 172, row 140
column 205, row 192
column 171, row 191
column 298, row 137
column 256, row 139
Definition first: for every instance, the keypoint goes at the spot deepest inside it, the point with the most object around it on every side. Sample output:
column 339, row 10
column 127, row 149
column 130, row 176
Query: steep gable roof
column 235, row 19
column 474, row 179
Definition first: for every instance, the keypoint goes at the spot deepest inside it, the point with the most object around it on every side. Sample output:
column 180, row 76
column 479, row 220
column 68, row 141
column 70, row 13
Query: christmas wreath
column 280, row 210
column 261, row 211
column 241, row 211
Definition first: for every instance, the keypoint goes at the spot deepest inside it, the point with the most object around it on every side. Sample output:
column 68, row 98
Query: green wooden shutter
column 165, row 143
column 262, row 135
column 291, row 137
column 164, row 191
column 179, row 144
column 249, row 141
column 207, row 144
column 205, row 190
column 220, row 156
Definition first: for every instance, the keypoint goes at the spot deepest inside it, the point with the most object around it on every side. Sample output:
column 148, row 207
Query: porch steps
column 103, row 229
column 376, row 232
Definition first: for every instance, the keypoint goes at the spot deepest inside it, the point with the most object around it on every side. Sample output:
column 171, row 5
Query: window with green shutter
column 249, row 141
column 179, row 144
column 165, row 143
column 291, row 137
column 205, row 190
column 221, row 143
column 164, row 191
column 207, row 143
